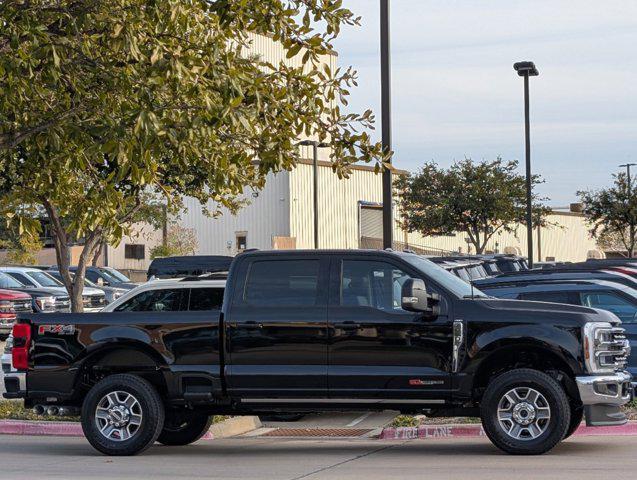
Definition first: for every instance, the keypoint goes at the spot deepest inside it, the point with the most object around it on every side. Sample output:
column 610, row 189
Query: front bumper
column 603, row 397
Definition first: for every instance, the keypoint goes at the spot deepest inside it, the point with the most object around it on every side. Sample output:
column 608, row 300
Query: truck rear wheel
column 183, row 427
column 122, row 415
column 525, row 412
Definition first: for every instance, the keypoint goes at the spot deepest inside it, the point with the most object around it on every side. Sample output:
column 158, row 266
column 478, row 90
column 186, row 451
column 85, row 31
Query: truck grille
column 22, row 306
column 62, row 304
column 98, row 301
column 613, row 350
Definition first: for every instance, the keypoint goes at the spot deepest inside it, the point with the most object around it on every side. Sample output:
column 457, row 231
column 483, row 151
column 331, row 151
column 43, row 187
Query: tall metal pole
column 529, row 198
column 385, row 94
column 629, row 188
column 316, row 208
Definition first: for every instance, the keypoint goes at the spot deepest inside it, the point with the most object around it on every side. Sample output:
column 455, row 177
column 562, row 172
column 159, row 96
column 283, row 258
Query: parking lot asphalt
column 285, row 459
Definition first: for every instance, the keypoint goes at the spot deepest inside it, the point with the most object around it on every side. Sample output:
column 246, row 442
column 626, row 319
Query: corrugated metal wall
column 266, row 216
column 339, row 219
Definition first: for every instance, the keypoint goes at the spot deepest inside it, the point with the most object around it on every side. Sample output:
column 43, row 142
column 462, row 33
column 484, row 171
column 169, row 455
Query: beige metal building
column 350, row 216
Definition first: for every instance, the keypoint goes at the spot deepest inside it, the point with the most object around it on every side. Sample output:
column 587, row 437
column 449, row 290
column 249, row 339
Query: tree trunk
column 98, row 253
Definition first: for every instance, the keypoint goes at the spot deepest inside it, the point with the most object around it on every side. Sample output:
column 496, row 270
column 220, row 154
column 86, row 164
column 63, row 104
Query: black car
column 614, row 297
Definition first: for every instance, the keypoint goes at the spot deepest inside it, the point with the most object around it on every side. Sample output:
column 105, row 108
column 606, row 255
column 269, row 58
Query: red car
column 12, row 302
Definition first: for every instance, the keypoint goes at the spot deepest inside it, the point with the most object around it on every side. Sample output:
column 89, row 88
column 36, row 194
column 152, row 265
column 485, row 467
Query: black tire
column 148, row 405
column 183, row 427
column 524, row 440
column 577, row 414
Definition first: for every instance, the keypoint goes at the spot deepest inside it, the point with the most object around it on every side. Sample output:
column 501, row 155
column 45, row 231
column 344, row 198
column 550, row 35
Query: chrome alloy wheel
column 118, row 416
column 523, row 413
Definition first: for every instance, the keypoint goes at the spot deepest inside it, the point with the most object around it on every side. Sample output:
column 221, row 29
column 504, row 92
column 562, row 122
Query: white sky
column 455, row 92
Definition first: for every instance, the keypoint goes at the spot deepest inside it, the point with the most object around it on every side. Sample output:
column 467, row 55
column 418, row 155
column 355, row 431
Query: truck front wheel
column 183, row 427
column 525, row 412
column 122, row 415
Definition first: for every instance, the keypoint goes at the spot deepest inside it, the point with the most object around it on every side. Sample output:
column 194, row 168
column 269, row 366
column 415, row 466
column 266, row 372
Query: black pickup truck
column 307, row 331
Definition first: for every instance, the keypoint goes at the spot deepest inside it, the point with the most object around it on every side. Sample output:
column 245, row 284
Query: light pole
column 385, row 120
column 315, row 146
column 629, row 188
column 526, row 70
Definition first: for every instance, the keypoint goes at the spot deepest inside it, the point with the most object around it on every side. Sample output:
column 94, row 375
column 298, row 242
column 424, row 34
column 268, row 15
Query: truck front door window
column 372, row 284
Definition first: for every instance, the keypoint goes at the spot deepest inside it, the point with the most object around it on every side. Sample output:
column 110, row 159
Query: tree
column 180, row 241
column 478, row 199
column 21, row 249
column 612, row 213
column 102, row 103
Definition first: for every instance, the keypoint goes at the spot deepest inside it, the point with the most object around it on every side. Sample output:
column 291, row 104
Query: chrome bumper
column 612, row 389
column 603, row 396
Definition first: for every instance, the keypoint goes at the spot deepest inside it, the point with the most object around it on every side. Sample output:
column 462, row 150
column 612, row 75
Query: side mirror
column 414, row 298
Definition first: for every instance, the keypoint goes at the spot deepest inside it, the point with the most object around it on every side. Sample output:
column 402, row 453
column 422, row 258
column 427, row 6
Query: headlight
column 605, row 347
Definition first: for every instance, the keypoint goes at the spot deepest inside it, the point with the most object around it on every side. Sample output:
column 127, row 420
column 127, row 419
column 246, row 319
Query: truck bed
column 179, row 345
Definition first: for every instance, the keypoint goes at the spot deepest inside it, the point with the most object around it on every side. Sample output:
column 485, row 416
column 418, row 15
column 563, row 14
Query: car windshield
column 442, row 277
column 7, row 281
column 58, row 276
column 114, row 276
column 44, row 279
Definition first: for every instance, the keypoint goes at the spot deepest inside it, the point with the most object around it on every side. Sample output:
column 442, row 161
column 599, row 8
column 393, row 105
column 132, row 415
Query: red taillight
column 21, row 344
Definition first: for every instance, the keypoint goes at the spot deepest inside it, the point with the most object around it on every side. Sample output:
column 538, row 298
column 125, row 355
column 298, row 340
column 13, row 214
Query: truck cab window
column 164, row 300
column 371, row 284
column 282, row 283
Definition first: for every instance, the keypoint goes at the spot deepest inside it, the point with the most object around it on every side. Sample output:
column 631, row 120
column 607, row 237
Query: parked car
column 111, row 293
column 44, row 300
column 105, row 277
column 323, row 330
column 532, row 276
column 614, row 297
column 11, row 303
column 507, row 262
column 172, row 295
column 188, row 265
column 94, row 299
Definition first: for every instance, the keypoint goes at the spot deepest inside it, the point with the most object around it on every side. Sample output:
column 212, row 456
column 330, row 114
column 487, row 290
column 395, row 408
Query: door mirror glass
column 416, row 299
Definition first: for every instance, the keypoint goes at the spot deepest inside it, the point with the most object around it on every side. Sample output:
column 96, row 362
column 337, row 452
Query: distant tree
column 479, row 199
column 102, row 103
column 21, row 248
column 612, row 213
column 180, row 241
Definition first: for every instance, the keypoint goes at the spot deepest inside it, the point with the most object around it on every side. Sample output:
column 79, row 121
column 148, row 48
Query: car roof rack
column 206, row 276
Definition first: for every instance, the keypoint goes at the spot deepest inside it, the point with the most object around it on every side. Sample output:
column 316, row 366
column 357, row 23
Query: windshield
column 443, row 278
column 114, row 276
column 7, row 281
column 58, row 276
column 44, row 279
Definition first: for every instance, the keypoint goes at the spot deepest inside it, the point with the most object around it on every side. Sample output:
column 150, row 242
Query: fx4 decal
column 57, row 329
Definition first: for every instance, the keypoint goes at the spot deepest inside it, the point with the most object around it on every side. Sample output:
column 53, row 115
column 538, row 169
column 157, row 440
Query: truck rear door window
column 282, row 283
column 206, row 299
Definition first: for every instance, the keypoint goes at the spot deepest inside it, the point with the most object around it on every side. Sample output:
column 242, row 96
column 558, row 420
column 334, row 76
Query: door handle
column 251, row 325
column 347, row 325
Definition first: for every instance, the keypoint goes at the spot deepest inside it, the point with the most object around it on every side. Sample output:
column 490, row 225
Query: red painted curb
column 476, row 430
column 63, row 429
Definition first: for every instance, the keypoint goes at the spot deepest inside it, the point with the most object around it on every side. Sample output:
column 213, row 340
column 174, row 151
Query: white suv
column 172, row 294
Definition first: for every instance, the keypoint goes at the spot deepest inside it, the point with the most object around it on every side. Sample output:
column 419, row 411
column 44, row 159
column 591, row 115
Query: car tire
column 577, row 415
column 183, row 427
column 122, row 415
column 525, row 412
